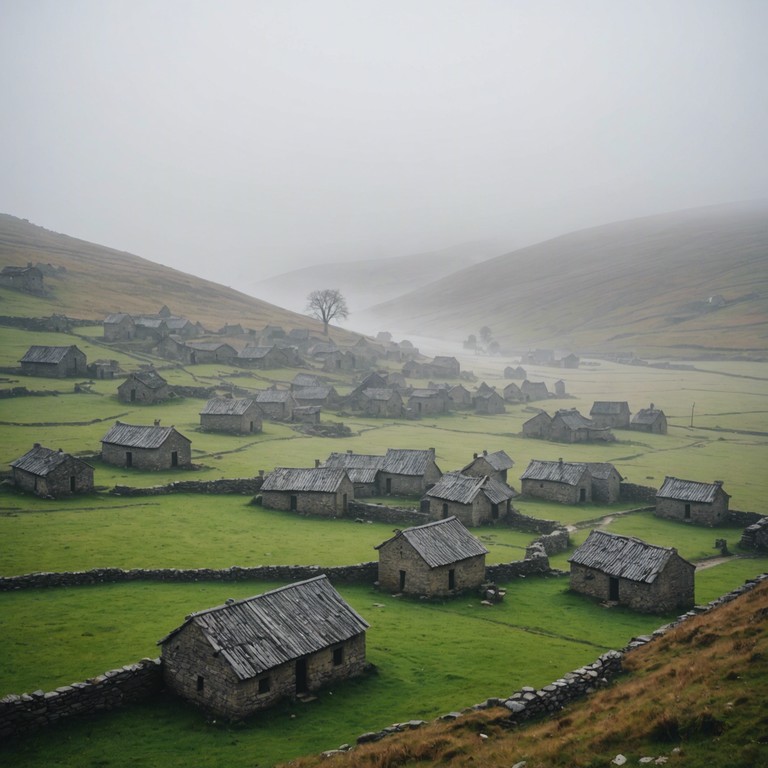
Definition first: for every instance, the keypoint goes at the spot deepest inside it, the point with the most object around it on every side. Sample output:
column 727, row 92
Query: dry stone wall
column 247, row 486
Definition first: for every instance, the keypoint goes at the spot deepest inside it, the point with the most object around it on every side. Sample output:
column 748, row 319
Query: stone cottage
column 146, row 387
column 381, row 402
column 407, row 472
column 323, row 395
column 473, row 500
column 569, row 426
column 534, row 390
column 323, row 491
column 538, row 425
column 630, row 572
column 54, row 362
column 512, row 393
column 428, row 402
column 488, row 402
column 610, row 413
column 363, row 470
column 146, row 447
column 50, row 473
column 276, row 404
column 518, row 372
column 689, row 501
column 263, row 358
column 460, row 396
column 565, row 482
column 118, row 326
column 29, row 278
column 606, row 481
column 238, row 416
column 650, row 420
column 493, row 465
column 246, row 655
column 438, row 559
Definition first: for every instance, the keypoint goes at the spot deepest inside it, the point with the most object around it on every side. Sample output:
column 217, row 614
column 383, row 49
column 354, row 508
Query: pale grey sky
column 241, row 138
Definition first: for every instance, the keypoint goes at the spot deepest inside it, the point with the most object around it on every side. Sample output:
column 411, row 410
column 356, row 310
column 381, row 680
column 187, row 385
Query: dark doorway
column 301, row 675
column 495, row 511
column 402, row 580
column 294, row 503
column 582, row 494
column 445, row 511
column 133, row 395
column 72, row 484
column 174, row 458
column 344, row 504
column 613, row 589
column 128, row 459
column 687, row 511
column 388, row 485
column 452, row 579
column 251, row 426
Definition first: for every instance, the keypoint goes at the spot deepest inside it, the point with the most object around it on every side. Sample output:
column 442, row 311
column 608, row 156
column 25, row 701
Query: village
column 249, row 654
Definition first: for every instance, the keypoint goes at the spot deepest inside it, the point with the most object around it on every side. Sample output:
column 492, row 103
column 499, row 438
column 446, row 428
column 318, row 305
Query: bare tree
column 326, row 305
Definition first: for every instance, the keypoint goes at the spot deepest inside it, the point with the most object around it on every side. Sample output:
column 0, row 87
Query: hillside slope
column 98, row 280
column 641, row 285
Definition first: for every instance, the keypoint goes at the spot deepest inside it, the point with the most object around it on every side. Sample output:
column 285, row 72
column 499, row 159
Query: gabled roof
column 227, row 406
column 43, row 354
column 306, row 380
column 688, row 490
column 304, row 479
column 209, row 346
column 444, row 360
column 273, row 396
column 441, row 543
column 498, row 460
column 404, row 461
column 379, row 393
column 463, row 489
column 312, row 393
column 262, row 632
column 601, row 469
column 255, row 353
column 116, row 317
column 529, row 387
column 647, row 416
column 42, row 461
column 139, row 436
column 361, row 468
column 574, row 420
column 427, row 394
column 149, row 378
column 555, row 471
column 623, row 557
column 609, row 407
column 13, row 270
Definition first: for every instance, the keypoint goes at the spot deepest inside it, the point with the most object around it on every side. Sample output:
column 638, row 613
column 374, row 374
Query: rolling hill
column 97, row 280
column 692, row 283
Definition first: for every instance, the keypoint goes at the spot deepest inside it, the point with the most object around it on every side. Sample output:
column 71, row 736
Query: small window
column 338, row 656
column 200, row 683
column 265, row 684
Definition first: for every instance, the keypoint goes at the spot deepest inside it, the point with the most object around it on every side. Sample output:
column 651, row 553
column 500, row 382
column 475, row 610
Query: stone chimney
column 157, row 422
column 317, row 463
column 485, row 453
column 261, row 474
column 36, row 445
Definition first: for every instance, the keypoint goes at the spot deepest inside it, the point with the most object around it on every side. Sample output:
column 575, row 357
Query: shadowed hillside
column 689, row 283
column 97, row 280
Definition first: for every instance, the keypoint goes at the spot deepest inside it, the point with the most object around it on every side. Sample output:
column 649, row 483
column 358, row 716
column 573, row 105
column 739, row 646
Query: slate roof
column 498, row 460
column 403, row 461
column 255, row 353
column 600, row 469
column 43, row 354
column 463, row 489
column 427, row 394
column 41, row 461
column 312, row 393
column 688, row 490
column 306, row 380
column 208, row 346
column 304, row 479
column 227, row 406
column 273, row 396
column 139, row 436
column 116, row 317
column 623, row 557
column 379, row 393
column 647, row 416
column 555, row 471
column 442, row 542
column 150, row 378
column 262, row 632
column 12, row 270
column 574, row 420
column 609, row 407
column 361, row 468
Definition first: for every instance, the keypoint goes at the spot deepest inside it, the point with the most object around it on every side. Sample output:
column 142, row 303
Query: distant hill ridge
column 688, row 283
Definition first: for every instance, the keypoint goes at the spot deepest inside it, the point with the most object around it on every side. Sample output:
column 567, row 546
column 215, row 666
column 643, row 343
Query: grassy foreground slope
column 640, row 285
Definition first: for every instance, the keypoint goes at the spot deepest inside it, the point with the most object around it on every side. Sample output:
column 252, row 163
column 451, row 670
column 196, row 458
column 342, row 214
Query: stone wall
column 555, row 542
column 246, row 486
column 735, row 517
column 633, row 492
column 755, row 536
column 522, row 522
column 382, row 513
column 21, row 715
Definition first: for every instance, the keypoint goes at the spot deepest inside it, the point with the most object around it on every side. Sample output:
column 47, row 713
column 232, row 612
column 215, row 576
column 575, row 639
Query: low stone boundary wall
column 382, row 513
column 522, row 522
column 633, row 492
column 21, row 715
column 556, row 542
column 736, row 517
column 755, row 536
column 246, row 486
column 537, row 564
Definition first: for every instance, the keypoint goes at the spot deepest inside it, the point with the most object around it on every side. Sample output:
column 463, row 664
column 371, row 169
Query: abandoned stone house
column 118, row 326
column 276, row 404
column 373, row 380
column 307, row 414
column 428, row 402
column 610, row 413
column 51, row 474
column 323, row 491
column 689, row 501
column 340, row 360
column 363, row 471
column 473, row 500
column 301, row 380
column 606, row 482
column 538, row 425
column 146, row 447
column 146, row 387
column 381, row 402
column 569, row 361
column 559, row 388
column 270, row 334
column 650, row 420
column 460, row 396
column 103, row 369
column 438, row 559
column 512, row 393
column 408, row 472
column 488, row 402
column 202, row 352
column 633, row 573
column 54, row 362
column 518, row 372
column 493, row 465
column 323, row 395
column 263, row 357
column 564, row 482
column 569, row 426
column 29, row 278
column 534, row 390
column 238, row 416
column 245, row 656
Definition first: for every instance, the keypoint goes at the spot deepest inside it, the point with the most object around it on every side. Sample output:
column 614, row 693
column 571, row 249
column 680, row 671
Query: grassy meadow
column 54, row 637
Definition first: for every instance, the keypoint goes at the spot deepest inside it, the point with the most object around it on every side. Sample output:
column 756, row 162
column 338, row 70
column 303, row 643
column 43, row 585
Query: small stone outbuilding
column 381, row 402
column 438, row 559
column 147, row 387
column 473, row 500
column 630, row 572
column 534, row 390
column 606, row 481
column 689, row 501
column 408, row 472
column 324, row 491
column 538, row 425
column 610, row 413
column 51, row 474
column 146, row 447
column 29, row 278
column 54, row 362
column 245, row 656
column 276, row 404
column 569, row 426
column 650, row 420
column 428, row 402
column 237, row 416
column 493, row 465
column 565, row 482
column 363, row 470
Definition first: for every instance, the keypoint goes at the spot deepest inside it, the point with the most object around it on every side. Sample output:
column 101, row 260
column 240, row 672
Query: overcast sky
column 238, row 138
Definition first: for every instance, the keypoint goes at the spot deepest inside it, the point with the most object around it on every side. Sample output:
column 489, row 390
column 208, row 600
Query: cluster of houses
column 569, row 426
